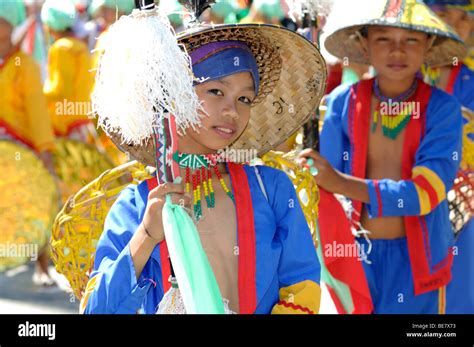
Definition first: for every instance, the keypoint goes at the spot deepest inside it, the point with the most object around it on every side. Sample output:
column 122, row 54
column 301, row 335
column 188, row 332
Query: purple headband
column 209, row 49
column 217, row 60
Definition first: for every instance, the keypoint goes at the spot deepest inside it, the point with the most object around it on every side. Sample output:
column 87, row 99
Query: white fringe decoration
column 172, row 303
column 143, row 74
column 314, row 7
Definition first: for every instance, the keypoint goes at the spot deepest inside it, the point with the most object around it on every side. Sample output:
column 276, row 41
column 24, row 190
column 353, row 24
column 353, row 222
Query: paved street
column 18, row 295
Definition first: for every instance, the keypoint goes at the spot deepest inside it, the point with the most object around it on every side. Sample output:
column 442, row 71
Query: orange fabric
column 22, row 103
column 69, row 83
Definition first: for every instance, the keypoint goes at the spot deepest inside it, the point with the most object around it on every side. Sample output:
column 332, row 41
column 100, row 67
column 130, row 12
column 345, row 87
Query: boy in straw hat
column 249, row 223
column 69, row 81
column 23, row 115
column 392, row 145
column 458, row 79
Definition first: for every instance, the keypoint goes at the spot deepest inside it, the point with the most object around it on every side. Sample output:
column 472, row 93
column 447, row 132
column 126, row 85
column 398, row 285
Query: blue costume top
column 460, row 292
column 431, row 157
column 280, row 271
column 463, row 88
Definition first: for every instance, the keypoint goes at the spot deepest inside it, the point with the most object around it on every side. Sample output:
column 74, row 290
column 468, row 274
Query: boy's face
column 227, row 102
column 396, row 54
column 459, row 20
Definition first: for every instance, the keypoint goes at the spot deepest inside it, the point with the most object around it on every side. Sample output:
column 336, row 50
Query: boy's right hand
column 152, row 220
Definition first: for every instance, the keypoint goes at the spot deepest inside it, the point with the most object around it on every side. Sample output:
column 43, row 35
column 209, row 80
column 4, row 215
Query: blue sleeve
column 113, row 287
column 334, row 146
column 298, row 261
column 464, row 87
column 436, row 164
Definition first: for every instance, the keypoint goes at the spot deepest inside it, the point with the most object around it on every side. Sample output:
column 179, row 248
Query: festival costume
column 68, row 84
column 27, row 211
column 278, row 270
column 78, row 156
column 460, row 291
column 427, row 171
column 24, row 114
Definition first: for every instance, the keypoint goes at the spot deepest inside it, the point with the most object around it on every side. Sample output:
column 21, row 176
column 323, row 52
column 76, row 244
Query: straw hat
column 344, row 42
column 292, row 80
column 464, row 5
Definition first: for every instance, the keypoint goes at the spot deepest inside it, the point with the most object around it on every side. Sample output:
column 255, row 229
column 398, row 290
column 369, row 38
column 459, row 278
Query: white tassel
column 142, row 74
column 172, row 303
column 320, row 7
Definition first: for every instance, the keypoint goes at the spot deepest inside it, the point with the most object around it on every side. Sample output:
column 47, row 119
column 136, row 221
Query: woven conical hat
column 292, row 81
column 344, row 42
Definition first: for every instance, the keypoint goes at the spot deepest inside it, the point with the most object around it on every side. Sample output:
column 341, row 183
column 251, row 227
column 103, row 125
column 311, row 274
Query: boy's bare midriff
column 218, row 232
column 384, row 160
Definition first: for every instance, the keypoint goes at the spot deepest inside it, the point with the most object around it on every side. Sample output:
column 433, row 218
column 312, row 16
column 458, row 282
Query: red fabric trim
column 12, row 133
column 348, row 270
column 30, row 36
column 335, row 298
column 246, row 238
column 426, row 239
column 415, row 130
column 9, row 55
column 361, row 100
column 295, row 307
column 71, row 127
column 173, row 145
column 413, row 135
column 453, row 75
column 379, row 198
column 364, row 304
column 164, row 254
column 423, row 183
column 424, row 280
column 165, row 266
column 334, row 77
column 415, row 226
column 443, row 262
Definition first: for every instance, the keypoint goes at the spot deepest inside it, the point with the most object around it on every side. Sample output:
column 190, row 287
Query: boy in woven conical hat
column 23, row 115
column 249, row 222
column 458, row 79
column 392, row 145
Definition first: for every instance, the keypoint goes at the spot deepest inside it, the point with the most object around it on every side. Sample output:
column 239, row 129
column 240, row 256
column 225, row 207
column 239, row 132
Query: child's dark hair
column 364, row 31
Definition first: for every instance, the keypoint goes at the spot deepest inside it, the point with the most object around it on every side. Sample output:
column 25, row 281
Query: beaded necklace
column 392, row 125
column 431, row 75
column 199, row 169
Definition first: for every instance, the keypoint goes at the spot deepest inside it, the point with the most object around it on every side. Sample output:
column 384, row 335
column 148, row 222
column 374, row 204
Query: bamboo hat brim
column 344, row 42
column 292, row 81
